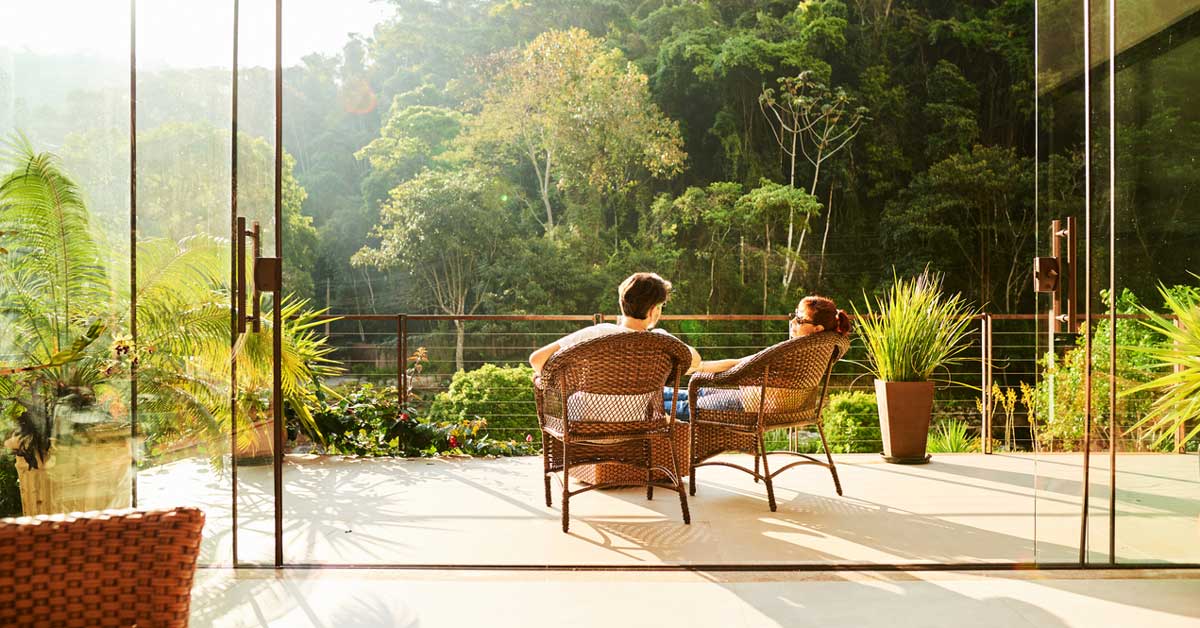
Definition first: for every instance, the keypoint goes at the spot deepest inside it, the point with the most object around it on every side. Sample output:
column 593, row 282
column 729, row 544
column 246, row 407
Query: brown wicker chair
column 601, row 401
column 112, row 568
column 791, row 377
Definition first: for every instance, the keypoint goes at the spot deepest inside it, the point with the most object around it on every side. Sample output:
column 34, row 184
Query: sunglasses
column 799, row 320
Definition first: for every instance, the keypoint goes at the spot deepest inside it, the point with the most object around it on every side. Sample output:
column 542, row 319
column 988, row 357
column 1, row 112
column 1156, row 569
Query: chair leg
column 546, row 468
column 695, row 427
column 649, row 471
column 756, row 468
column 566, row 491
column 762, row 453
column 829, row 456
column 683, row 505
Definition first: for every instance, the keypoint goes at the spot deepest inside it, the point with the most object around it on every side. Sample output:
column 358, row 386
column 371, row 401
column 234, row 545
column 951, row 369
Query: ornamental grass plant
column 914, row 329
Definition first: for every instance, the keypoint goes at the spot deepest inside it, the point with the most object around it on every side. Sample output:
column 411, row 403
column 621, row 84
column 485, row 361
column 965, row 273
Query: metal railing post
column 985, row 351
column 1180, row 431
column 402, row 359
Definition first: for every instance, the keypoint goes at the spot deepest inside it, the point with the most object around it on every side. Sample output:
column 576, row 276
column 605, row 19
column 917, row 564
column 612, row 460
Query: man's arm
column 538, row 358
column 717, row 366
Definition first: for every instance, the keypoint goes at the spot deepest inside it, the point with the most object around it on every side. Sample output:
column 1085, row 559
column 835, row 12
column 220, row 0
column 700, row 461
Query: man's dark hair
column 640, row 292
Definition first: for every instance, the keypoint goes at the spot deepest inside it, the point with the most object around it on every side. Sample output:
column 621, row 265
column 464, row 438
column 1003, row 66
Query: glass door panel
column 1157, row 496
column 254, row 235
column 183, row 213
column 67, row 415
column 1058, row 407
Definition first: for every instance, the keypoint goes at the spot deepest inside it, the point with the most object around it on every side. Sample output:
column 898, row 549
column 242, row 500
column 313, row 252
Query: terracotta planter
column 89, row 476
column 256, row 446
column 904, row 412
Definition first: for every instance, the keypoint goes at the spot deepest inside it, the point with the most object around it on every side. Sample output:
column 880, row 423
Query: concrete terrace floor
column 329, row 598
column 961, row 508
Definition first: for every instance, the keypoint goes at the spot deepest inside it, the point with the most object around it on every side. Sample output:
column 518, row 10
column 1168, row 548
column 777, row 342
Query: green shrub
column 501, row 395
column 10, row 493
column 852, row 423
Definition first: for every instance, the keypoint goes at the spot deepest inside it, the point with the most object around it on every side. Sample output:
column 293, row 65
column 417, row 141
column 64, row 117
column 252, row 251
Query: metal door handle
column 267, row 275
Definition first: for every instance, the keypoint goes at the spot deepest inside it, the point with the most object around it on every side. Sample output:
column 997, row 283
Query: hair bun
column 843, row 322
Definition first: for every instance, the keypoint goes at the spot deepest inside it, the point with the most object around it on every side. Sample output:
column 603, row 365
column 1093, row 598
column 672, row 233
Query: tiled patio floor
column 430, row 599
column 961, row 508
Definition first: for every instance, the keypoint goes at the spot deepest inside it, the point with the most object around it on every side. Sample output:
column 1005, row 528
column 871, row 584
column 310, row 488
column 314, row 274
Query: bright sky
column 186, row 33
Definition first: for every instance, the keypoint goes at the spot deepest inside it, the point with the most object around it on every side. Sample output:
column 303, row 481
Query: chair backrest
column 614, row 378
column 793, row 374
column 111, row 568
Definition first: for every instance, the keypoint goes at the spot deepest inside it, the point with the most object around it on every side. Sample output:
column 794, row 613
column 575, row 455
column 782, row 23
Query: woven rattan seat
column 602, row 401
column 782, row 386
column 99, row 569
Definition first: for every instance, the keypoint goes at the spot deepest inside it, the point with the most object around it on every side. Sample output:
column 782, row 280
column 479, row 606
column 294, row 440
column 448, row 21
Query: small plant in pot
column 909, row 333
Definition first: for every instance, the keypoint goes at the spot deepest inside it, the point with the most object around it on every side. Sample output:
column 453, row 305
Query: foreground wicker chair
column 113, row 568
column 601, row 401
column 792, row 377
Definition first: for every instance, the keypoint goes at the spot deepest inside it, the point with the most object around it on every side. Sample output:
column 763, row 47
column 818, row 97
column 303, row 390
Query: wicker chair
column 112, row 568
column 601, row 401
column 780, row 387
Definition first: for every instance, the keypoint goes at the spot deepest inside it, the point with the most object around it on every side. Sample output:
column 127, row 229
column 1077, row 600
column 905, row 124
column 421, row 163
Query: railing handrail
column 584, row 318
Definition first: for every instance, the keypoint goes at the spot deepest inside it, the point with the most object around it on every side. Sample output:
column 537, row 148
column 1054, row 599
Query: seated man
column 642, row 296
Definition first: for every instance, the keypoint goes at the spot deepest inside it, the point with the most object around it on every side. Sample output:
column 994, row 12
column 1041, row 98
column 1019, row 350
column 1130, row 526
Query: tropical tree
column 447, row 230
column 810, row 120
column 579, row 114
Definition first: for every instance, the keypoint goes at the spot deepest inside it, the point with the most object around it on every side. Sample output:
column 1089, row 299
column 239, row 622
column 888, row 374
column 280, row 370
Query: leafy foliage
column 950, row 437
column 10, row 492
column 851, row 423
column 369, row 421
column 1178, row 392
column 500, row 395
column 1057, row 402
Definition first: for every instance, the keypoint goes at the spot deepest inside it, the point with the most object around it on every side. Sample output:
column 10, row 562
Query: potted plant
column 909, row 333
column 57, row 400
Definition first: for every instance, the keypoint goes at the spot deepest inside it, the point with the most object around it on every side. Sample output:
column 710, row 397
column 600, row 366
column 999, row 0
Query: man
column 642, row 296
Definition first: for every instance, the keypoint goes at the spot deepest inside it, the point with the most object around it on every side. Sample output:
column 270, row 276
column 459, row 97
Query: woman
column 814, row 314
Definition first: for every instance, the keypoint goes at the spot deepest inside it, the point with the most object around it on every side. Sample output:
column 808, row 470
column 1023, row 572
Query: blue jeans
column 683, row 411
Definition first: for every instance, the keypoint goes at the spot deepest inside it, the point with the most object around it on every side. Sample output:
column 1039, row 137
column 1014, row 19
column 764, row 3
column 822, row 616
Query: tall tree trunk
column 765, row 260
column 459, row 336
column 742, row 260
column 825, row 238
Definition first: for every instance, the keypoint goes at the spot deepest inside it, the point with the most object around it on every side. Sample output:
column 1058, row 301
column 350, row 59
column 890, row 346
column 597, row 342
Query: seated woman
column 814, row 314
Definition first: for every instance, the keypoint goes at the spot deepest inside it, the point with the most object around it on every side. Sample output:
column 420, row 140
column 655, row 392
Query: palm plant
column 914, row 330
column 1178, row 390
column 56, row 292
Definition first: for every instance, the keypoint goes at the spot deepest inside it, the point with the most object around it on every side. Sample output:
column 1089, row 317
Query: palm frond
column 1178, row 391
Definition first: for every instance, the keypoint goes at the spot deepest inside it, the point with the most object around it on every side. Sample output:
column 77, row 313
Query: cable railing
column 1003, row 350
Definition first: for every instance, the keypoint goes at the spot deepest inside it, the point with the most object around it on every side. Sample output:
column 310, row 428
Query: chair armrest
column 729, row 378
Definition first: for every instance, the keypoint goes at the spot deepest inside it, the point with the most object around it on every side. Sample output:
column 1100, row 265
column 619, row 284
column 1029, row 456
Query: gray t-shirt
column 592, row 407
column 607, row 329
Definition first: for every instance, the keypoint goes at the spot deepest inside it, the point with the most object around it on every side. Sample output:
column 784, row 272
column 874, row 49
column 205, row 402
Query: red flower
column 453, row 442
column 403, row 416
column 529, row 438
